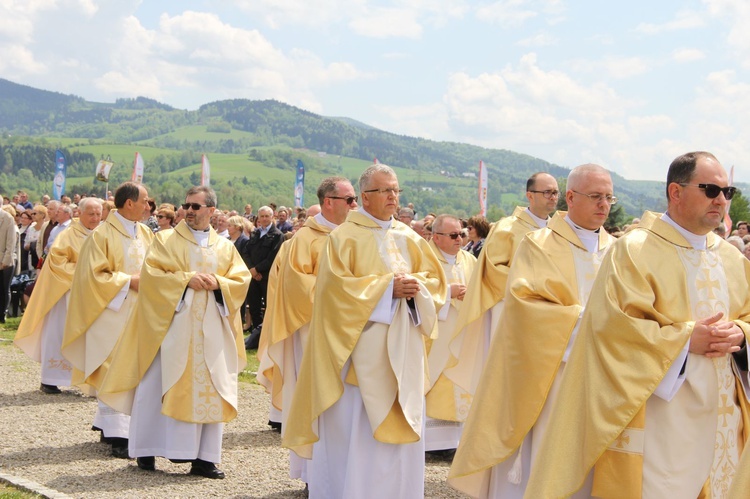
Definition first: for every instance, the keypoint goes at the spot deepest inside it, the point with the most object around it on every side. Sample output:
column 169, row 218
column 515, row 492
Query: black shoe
column 50, row 389
column 206, row 469
column 275, row 426
column 119, row 447
column 147, row 463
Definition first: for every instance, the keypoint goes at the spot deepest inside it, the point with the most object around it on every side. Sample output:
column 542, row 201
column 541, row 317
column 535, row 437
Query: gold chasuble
column 548, row 287
column 652, row 288
column 53, row 282
column 388, row 362
column 445, row 399
column 91, row 328
column 202, row 351
column 290, row 302
column 485, row 292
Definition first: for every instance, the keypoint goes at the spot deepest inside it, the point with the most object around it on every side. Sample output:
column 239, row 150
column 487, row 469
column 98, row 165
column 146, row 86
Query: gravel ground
column 47, row 439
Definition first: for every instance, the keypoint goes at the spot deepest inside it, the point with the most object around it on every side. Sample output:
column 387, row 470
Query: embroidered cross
column 725, row 409
column 206, row 394
column 622, row 440
column 708, row 283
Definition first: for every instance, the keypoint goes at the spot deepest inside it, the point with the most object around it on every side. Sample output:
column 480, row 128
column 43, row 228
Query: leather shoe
column 120, row 452
column 206, row 469
column 147, row 463
column 50, row 389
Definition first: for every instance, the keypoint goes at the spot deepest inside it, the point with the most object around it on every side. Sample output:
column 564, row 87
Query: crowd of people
column 545, row 356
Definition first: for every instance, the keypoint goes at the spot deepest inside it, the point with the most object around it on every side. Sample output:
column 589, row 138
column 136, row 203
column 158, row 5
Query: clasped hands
column 202, row 280
column 405, row 286
column 715, row 338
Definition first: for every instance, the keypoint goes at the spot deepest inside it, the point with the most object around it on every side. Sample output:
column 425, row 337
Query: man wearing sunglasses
column 360, row 390
column 652, row 396
column 478, row 317
column 548, row 287
column 175, row 368
column 102, row 296
column 447, row 403
column 285, row 328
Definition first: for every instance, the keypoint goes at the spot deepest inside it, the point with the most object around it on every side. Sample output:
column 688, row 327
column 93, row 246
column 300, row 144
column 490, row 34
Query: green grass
column 199, row 133
column 9, row 492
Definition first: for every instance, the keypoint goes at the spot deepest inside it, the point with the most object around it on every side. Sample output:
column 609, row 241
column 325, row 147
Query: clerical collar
column 589, row 238
column 384, row 224
column 201, row 236
column 698, row 242
column 130, row 226
column 324, row 221
column 451, row 259
column 541, row 222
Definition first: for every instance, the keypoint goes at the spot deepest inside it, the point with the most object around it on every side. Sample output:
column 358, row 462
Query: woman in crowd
column 164, row 219
column 25, row 221
column 478, row 229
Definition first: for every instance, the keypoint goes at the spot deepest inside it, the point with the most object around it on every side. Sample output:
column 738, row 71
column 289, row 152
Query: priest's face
column 382, row 200
column 442, row 237
column 91, row 215
column 690, row 207
column 339, row 208
column 198, row 219
column 582, row 209
column 539, row 204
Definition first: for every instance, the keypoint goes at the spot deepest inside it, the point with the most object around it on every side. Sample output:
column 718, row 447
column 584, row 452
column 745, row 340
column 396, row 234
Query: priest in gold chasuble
column 175, row 368
column 479, row 314
column 548, row 288
column 653, row 402
column 447, row 403
column 102, row 296
column 40, row 333
column 360, row 392
column 290, row 301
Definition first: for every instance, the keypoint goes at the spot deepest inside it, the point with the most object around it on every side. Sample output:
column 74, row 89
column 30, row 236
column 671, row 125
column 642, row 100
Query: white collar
column 589, row 238
column 324, row 221
column 541, row 222
column 129, row 225
column 696, row 241
column 384, row 224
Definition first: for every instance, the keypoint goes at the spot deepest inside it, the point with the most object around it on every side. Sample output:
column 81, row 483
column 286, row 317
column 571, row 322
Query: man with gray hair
column 64, row 216
column 406, row 216
column 548, row 286
column 360, row 391
column 260, row 252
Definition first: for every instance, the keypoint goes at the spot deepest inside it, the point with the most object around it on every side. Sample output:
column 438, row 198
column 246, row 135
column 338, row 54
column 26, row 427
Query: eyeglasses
column 349, row 199
column 597, row 198
column 32, row 213
column 161, row 216
column 549, row 194
column 452, row 235
column 387, row 190
column 712, row 190
column 194, row 206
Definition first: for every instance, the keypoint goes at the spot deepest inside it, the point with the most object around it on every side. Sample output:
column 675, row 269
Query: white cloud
column 688, row 55
column 685, row 19
column 387, row 23
column 538, row 40
column 624, row 67
column 279, row 13
column 507, row 12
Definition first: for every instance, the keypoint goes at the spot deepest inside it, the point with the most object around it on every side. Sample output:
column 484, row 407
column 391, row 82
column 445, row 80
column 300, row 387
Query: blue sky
column 628, row 85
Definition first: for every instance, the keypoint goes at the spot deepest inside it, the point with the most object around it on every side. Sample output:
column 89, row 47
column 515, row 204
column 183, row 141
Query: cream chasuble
column 387, row 361
column 92, row 329
column 54, row 281
column 483, row 303
column 652, row 287
column 201, row 349
column 446, row 400
column 548, row 287
column 290, row 301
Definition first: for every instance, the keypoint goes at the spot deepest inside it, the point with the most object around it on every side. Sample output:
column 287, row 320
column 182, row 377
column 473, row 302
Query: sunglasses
column 194, row 206
column 712, row 190
column 348, row 199
column 161, row 216
column 452, row 235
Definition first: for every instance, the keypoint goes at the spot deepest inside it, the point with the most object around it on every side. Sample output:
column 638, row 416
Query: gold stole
column 199, row 356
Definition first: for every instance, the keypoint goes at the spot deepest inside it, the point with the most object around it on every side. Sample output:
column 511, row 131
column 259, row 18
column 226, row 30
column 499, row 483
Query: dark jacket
column 259, row 252
column 240, row 244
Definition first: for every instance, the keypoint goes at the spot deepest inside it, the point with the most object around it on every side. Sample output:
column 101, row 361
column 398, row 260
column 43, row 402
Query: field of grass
column 199, row 133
